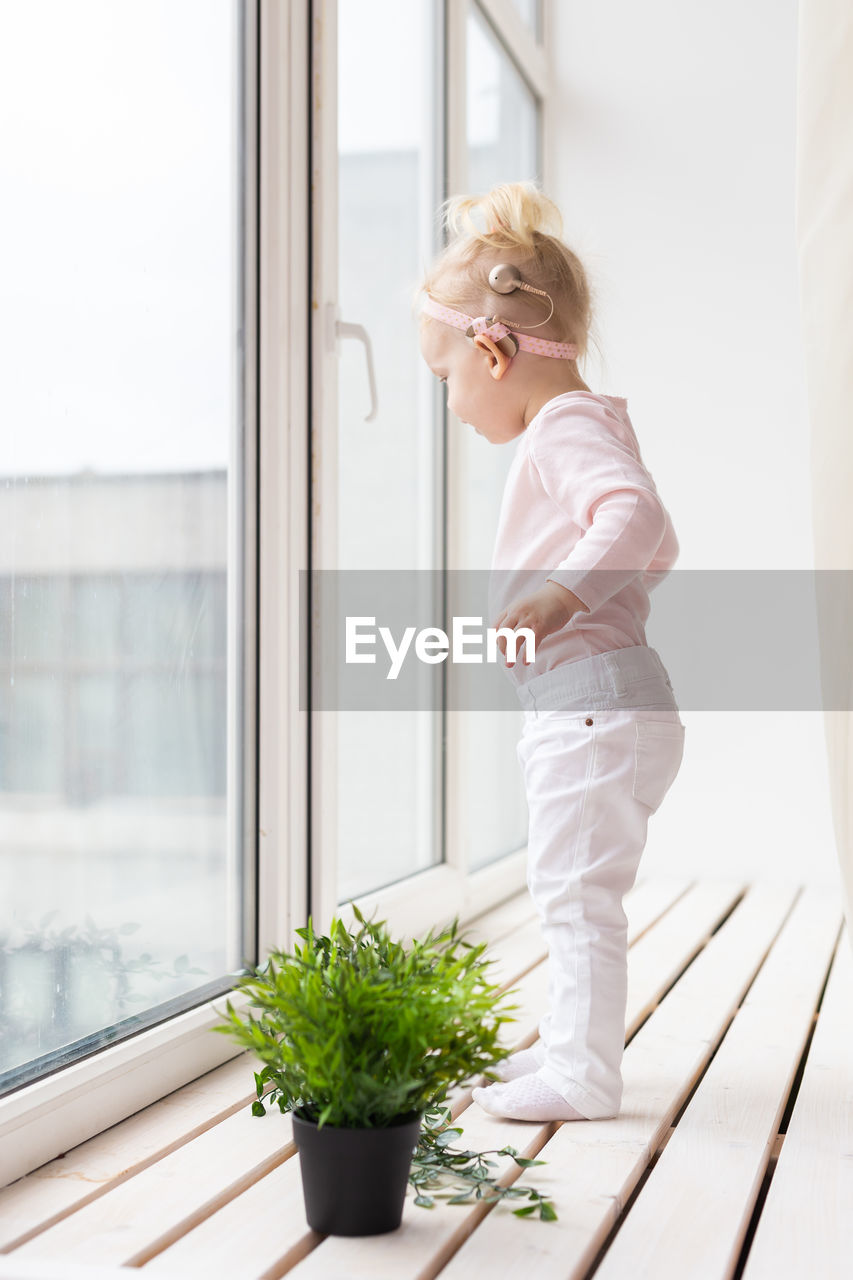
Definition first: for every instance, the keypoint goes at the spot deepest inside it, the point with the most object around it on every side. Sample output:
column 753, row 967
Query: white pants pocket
column 658, row 750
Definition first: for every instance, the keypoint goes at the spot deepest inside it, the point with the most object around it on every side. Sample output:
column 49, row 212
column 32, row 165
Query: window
column 503, row 114
column 503, row 145
column 408, row 803
column 388, row 796
column 126, row 525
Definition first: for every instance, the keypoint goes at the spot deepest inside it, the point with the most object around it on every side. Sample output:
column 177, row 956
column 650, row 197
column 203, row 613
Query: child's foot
column 517, row 1064
column 527, row 1098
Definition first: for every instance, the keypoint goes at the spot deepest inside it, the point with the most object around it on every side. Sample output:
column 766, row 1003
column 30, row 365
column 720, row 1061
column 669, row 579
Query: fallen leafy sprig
column 463, row 1176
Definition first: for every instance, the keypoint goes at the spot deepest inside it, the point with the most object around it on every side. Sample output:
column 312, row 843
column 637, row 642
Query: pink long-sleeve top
column 580, row 507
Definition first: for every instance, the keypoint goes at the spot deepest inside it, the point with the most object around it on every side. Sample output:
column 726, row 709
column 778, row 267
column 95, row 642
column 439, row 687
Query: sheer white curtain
column 825, row 246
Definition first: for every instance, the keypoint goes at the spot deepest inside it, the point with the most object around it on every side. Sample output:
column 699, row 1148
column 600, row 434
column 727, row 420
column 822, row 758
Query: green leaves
column 357, row 1029
column 445, row 1138
column 547, row 1212
column 464, row 1177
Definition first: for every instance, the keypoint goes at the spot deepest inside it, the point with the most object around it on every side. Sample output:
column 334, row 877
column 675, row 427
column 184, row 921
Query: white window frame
column 426, row 898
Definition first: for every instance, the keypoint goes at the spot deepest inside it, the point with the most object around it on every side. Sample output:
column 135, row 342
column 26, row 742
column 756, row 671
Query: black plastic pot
column 354, row 1180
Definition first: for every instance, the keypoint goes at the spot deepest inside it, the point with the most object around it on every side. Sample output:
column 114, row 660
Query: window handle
column 344, row 329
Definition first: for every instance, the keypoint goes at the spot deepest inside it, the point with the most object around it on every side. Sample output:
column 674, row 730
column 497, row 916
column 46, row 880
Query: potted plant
column 360, row 1036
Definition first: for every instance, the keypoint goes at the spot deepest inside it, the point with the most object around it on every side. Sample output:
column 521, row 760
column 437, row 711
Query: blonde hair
column 521, row 227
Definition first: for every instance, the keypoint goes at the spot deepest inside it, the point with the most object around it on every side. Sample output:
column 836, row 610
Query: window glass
column 388, row 501
column 503, row 146
column 96, row 619
column 123, row 337
column 503, row 119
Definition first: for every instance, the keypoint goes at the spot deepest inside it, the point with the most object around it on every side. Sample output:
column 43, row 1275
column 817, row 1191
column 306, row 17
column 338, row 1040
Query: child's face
column 474, row 394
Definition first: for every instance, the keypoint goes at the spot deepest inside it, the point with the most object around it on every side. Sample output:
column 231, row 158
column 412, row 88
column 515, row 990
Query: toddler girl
column 582, row 538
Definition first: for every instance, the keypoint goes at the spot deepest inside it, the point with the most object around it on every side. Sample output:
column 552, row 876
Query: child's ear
column 498, row 360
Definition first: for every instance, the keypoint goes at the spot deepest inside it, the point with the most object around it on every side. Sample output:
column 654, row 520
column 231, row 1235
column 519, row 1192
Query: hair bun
column 512, row 215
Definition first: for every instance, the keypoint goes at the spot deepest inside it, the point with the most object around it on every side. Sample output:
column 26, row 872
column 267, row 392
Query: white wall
column 673, row 159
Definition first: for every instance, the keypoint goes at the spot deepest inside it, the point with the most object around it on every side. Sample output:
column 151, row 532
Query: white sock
column 526, row 1098
column 521, row 1063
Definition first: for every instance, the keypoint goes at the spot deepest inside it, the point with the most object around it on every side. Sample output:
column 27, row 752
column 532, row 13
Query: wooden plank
column 659, row 956
column 260, row 1232
column 44, row 1197
column 678, row 934
column 140, row 1217
column 428, row 1239
column 11, row 1269
column 806, row 1225
column 693, row 1212
column 649, row 900
column 498, row 921
column 228, row 1244
column 51, row 1192
column 231, row 1236
column 593, row 1166
column 40, row 1202
column 517, row 953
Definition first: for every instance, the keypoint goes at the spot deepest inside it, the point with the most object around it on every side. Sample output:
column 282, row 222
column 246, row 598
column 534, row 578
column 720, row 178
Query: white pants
column 601, row 744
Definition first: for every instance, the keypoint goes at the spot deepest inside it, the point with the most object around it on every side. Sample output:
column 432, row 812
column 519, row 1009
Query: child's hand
column 543, row 611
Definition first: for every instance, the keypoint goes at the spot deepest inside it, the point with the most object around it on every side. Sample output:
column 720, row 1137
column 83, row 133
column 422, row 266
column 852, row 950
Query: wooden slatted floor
column 733, row 1154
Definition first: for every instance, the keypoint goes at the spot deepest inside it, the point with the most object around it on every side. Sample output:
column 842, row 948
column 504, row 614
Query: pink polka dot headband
column 493, row 327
